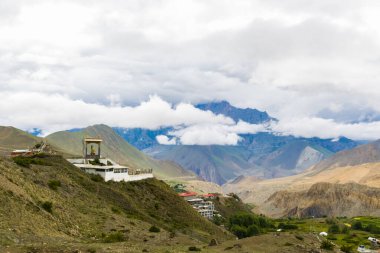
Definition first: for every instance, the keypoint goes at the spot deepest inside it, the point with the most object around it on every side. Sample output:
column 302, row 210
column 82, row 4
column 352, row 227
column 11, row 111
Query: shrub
column 154, row 229
column 357, row 225
column 96, row 178
column 287, row 226
column 331, row 221
column 47, row 206
column 334, row 229
column 253, row 230
column 54, row 184
column 345, row 230
column 27, row 161
column 248, row 224
column 327, row 245
column 22, row 161
column 239, row 231
column 193, row 248
column 347, row 248
column 114, row 237
column 372, row 228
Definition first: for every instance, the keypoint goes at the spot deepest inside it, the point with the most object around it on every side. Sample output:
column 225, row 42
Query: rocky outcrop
column 325, row 199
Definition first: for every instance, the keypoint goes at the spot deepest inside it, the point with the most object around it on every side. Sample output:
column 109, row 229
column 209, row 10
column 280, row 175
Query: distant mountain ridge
column 249, row 115
column 264, row 154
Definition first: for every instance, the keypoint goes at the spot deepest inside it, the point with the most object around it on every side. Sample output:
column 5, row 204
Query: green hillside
column 13, row 138
column 47, row 206
column 116, row 148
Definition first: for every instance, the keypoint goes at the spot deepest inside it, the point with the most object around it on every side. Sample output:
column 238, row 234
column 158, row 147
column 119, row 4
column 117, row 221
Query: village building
column 21, row 152
column 93, row 163
column 204, row 207
column 188, row 195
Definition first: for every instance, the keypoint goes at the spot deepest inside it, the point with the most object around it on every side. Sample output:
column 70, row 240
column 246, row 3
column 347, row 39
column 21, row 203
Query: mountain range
column 346, row 183
column 264, row 154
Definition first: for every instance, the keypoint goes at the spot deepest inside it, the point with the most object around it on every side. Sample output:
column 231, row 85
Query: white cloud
column 327, row 128
column 216, row 134
column 57, row 112
column 315, row 60
column 164, row 140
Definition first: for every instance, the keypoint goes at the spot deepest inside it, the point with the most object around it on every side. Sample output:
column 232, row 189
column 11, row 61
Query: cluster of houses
column 201, row 203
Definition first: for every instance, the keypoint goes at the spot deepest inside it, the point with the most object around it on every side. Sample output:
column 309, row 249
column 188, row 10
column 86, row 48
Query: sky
column 314, row 65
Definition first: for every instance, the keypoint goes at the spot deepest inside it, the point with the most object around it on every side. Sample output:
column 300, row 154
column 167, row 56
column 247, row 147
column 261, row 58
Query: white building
column 204, row 208
column 93, row 163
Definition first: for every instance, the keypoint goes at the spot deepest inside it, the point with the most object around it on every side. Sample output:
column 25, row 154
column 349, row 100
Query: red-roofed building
column 209, row 196
column 188, row 195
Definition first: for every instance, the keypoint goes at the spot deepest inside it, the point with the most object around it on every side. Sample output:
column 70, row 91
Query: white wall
column 117, row 177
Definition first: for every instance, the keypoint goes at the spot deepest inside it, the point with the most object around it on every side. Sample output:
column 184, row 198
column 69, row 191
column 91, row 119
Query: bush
column 154, row 229
column 253, row 230
column 372, row 228
column 22, row 161
column 193, row 248
column 331, row 221
column 27, row 161
column 327, row 245
column 248, row 224
column 96, row 178
column 347, row 248
column 287, row 226
column 47, row 206
column 218, row 220
column 357, row 225
column 54, row 184
column 114, row 237
column 239, row 231
column 334, row 229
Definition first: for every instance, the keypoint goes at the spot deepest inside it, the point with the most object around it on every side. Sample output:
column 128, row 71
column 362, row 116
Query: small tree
column 154, row 229
column 357, row 225
column 334, row 229
column 327, row 245
column 54, row 184
column 347, row 248
column 47, row 206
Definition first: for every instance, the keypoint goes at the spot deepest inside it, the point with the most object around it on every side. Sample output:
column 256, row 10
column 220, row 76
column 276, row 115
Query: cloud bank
column 192, row 126
column 313, row 65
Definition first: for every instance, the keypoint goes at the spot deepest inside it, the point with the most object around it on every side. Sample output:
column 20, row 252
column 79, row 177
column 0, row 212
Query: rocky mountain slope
column 354, row 166
column 212, row 163
column 116, row 148
column 325, row 199
column 54, row 204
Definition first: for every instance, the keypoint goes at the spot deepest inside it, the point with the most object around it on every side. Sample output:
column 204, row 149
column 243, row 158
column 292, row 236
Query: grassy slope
column 116, row 148
column 83, row 209
column 13, row 138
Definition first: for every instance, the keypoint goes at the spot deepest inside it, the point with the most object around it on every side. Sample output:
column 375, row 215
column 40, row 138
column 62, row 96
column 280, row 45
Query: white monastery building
column 93, row 163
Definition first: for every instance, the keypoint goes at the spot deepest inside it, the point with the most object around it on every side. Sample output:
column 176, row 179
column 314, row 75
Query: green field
column 347, row 234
